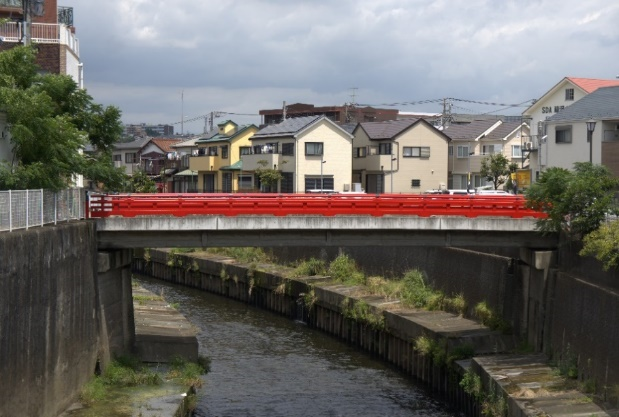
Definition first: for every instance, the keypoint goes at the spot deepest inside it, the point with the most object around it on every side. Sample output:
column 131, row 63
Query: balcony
column 43, row 33
column 205, row 163
column 261, row 161
column 375, row 163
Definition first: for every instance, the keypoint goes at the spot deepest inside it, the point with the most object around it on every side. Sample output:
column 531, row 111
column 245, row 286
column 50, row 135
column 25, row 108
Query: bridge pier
column 116, row 302
column 535, row 271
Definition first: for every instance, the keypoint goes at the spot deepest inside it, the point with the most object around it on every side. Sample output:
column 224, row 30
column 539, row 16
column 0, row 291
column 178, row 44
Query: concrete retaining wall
column 58, row 318
column 49, row 330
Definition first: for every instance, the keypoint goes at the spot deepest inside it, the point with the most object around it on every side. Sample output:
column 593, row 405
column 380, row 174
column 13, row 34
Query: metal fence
column 22, row 209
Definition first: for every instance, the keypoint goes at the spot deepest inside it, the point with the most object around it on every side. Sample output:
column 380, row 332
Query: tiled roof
column 288, row 127
column 468, row 131
column 164, row 144
column 602, row 104
column 134, row 144
column 503, row 130
column 388, row 129
column 592, row 84
column 215, row 136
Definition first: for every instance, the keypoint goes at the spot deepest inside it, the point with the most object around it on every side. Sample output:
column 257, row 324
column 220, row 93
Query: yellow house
column 400, row 156
column 218, row 157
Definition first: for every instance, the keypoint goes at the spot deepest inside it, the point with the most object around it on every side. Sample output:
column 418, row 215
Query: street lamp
column 392, row 159
column 468, row 169
column 322, row 161
column 590, row 129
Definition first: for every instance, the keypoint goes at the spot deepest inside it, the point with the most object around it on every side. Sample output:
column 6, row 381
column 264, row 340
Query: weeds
column 309, row 268
column 362, row 312
column 489, row 318
column 189, row 373
column 243, row 255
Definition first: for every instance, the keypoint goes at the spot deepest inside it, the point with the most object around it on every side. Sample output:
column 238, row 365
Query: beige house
column 400, row 156
column 218, row 158
column 312, row 153
column 563, row 94
column 472, row 142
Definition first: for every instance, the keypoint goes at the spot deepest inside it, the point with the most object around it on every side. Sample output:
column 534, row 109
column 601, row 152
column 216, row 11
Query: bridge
column 274, row 220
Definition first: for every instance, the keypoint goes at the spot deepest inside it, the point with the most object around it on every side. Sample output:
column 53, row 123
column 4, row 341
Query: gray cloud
column 246, row 55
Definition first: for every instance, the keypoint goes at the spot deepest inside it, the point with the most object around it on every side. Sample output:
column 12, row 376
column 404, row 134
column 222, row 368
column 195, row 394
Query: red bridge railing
column 132, row 205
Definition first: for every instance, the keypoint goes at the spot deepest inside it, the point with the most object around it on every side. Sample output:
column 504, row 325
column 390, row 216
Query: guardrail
column 179, row 205
column 22, row 209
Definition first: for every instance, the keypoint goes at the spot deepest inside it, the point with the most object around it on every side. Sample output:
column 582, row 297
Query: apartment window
column 384, row 149
column 491, row 149
column 131, row 158
column 516, row 151
column 286, row 184
column 245, row 182
column 313, row 148
column 224, row 152
column 117, row 158
column 569, row 94
column 288, row 149
column 563, row 134
column 313, row 183
column 360, row 152
column 212, row 151
column 463, row 151
column 416, row 151
column 245, row 150
column 268, row 148
column 415, row 183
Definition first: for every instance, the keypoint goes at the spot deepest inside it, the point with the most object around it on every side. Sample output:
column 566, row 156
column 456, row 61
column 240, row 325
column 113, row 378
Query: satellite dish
column 36, row 7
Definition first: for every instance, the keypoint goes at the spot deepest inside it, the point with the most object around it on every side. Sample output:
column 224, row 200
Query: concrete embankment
column 323, row 305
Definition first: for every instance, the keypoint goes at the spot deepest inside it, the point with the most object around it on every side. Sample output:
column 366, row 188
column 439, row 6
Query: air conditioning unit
column 528, row 146
column 346, row 187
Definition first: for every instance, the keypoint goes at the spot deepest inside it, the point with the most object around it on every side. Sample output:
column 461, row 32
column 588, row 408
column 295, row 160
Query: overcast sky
column 160, row 61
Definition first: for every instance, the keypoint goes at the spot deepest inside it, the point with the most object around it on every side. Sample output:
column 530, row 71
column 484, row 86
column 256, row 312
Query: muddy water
column 267, row 365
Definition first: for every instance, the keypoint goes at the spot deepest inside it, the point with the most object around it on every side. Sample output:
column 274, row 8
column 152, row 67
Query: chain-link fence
column 21, row 209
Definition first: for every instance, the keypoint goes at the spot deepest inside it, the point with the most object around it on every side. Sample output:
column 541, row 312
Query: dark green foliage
column 496, row 169
column 576, row 201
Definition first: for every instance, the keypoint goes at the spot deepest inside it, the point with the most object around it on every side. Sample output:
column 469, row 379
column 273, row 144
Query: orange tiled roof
column 592, row 84
column 164, row 144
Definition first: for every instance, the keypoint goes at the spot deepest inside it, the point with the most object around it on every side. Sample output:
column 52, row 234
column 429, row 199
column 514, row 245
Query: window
column 245, row 182
column 224, row 152
column 360, row 152
column 286, row 185
column 212, row 151
column 491, row 149
column 245, row 150
column 313, row 148
column 569, row 94
column 313, row 183
column 384, row 149
column 451, row 150
column 117, row 158
column 563, row 134
column 416, row 151
column 463, row 151
column 131, row 158
column 288, row 149
column 415, row 183
column 516, row 151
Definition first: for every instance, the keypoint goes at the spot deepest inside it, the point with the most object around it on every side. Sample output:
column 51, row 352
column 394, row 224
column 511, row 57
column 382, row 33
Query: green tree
column 603, row 244
column 51, row 122
column 496, row 169
column 268, row 177
column 141, row 183
column 576, row 201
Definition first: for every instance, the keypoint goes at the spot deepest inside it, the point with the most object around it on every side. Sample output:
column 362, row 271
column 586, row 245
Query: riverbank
column 378, row 325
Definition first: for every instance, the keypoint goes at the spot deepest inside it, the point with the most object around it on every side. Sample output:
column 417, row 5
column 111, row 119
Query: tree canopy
column 496, row 169
column 52, row 122
column 577, row 201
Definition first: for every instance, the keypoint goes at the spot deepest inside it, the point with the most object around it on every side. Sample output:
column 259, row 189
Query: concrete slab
column 161, row 332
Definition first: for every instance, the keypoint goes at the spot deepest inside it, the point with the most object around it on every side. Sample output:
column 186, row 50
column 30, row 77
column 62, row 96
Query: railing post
column 27, row 207
column 42, row 208
column 55, row 208
column 10, row 211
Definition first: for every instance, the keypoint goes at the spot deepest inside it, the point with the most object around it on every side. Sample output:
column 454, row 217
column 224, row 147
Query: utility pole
column 284, row 111
column 182, row 112
column 26, row 23
column 446, row 115
column 350, row 117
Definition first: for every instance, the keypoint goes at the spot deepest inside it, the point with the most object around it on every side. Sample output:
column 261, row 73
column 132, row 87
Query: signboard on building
column 523, row 176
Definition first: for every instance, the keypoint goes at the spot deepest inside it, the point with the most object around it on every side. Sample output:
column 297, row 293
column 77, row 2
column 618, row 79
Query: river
column 267, row 365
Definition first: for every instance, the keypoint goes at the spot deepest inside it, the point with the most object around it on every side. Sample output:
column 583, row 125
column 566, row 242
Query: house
column 127, row 155
column 218, row 159
column 568, row 137
column 563, row 94
column 338, row 114
column 400, row 156
column 51, row 29
column 473, row 142
column 185, row 180
column 311, row 153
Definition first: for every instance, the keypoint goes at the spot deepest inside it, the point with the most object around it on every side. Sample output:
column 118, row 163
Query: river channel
column 267, row 365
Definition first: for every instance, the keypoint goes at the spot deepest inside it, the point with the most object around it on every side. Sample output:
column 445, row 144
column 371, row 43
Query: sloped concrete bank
column 324, row 306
